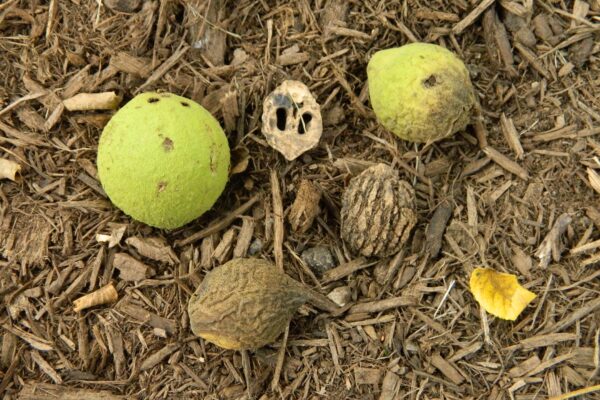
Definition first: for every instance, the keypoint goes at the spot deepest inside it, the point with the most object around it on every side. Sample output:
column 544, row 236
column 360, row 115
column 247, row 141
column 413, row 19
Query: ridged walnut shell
column 378, row 212
column 244, row 304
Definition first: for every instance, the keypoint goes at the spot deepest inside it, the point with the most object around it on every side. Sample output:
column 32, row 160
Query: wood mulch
column 515, row 192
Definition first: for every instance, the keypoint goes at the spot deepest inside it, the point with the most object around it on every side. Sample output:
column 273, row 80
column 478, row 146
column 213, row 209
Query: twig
column 280, row 359
column 278, row 220
column 217, row 226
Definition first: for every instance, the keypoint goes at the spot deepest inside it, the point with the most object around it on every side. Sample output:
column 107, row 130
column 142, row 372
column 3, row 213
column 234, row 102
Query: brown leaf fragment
column 550, row 248
column 158, row 356
column 131, row 269
column 45, row 391
column 367, row 376
column 436, row 228
column 305, row 207
column 154, row 248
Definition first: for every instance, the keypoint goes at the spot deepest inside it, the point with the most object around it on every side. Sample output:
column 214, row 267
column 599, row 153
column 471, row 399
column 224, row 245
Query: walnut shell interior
column 291, row 119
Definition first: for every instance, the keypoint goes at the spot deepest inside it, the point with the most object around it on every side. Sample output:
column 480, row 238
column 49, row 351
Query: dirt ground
column 488, row 196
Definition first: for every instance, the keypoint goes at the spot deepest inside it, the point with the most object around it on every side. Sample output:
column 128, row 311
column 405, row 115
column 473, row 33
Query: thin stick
column 576, row 393
column 278, row 220
column 280, row 359
column 223, row 223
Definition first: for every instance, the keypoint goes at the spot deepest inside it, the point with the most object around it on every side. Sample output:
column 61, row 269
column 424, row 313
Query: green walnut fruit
column 163, row 159
column 421, row 92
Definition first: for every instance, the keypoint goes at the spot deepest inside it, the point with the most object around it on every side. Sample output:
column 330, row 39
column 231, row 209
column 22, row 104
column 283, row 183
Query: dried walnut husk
column 378, row 212
column 244, row 304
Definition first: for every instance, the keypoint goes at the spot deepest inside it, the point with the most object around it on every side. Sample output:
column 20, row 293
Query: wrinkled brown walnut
column 244, row 304
column 378, row 212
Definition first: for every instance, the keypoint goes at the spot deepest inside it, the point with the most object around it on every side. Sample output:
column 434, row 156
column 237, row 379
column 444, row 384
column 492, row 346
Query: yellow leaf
column 499, row 294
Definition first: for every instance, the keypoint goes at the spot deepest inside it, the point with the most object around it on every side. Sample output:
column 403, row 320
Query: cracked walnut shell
column 244, row 304
column 378, row 212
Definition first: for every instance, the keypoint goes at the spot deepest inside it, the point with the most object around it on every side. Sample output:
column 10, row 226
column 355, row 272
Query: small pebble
column 341, row 295
column 319, row 259
column 255, row 247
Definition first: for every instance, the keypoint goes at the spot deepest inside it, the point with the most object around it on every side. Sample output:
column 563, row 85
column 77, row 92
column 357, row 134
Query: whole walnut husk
column 244, row 304
column 378, row 212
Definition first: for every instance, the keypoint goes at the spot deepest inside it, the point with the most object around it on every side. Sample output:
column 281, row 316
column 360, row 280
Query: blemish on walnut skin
column 162, row 185
column 168, row 144
column 431, row 81
column 213, row 159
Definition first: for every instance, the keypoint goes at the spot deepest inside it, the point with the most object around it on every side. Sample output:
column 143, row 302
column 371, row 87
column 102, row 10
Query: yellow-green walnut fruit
column 420, row 91
column 163, row 159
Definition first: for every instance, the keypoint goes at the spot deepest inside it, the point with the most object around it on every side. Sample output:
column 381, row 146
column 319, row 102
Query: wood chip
column 154, row 248
column 45, row 391
column 506, row 163
column 164, row 67
column 346, row 269
column 223, row 249
column 472, row 16
column 367, row 376
column 244, row 237
column 221, row 224
column 551, row 246
column 305, row 207
column 594, row 179
column 437, row 226
column 158, row 356
column 511, row 136
column 466, row 351
column 447, row 369
column 575, row 315
column 524, row 367
column 390, row 386
column 33, row 340
column 131, row 269
column 45, row 367
column 383, row 305
column 543, row 340
column 147, row 317
column 127, row 63
column 532, row 59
